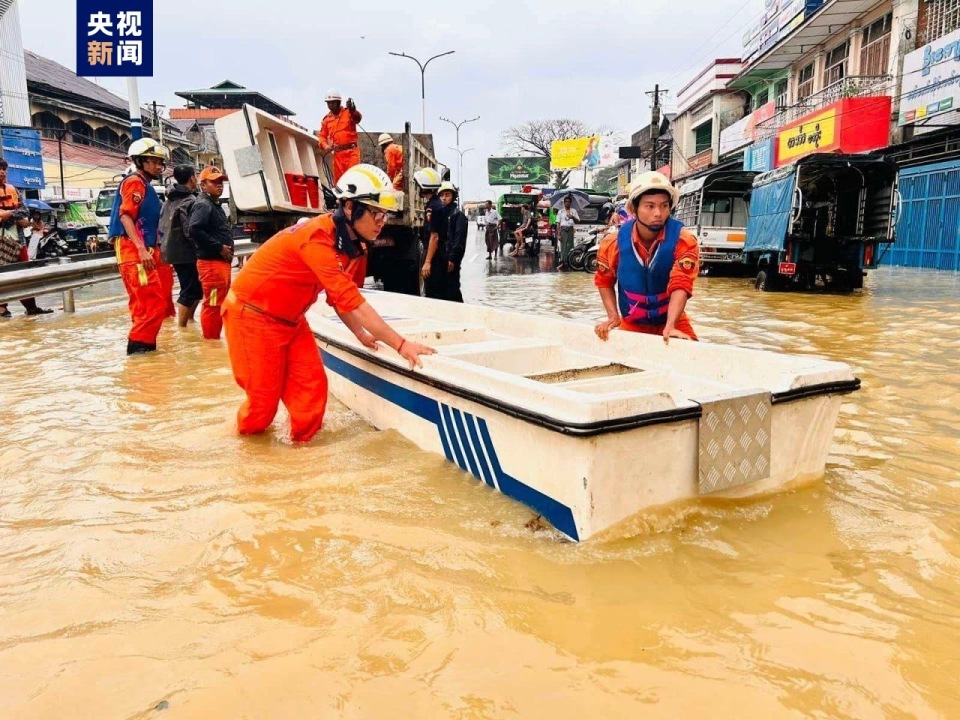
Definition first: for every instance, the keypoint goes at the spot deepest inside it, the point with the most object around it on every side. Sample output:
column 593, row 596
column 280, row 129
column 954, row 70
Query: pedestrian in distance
column 491, row 223
column 567, row 219
column 176, row 248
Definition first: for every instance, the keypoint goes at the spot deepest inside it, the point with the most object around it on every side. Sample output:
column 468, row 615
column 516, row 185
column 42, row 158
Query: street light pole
column 460, row 167
column 423, row 84
column 457, row 127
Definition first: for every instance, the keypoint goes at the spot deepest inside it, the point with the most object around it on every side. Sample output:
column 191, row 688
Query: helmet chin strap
column 652, row 228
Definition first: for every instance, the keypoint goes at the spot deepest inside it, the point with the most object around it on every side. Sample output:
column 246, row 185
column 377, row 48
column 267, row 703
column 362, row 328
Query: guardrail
column 64, row 275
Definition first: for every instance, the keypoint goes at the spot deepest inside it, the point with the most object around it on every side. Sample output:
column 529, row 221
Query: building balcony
column 856, row 86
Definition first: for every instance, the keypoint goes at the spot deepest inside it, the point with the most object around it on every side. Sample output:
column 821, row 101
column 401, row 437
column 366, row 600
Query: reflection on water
column 148, row 556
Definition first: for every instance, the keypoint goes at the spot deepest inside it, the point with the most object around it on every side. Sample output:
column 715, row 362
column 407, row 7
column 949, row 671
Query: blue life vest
column 148, row 219
column 642, row 290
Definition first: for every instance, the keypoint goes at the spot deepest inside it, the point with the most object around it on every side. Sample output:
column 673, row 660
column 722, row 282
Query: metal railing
column 848, row 87
column 64, row 275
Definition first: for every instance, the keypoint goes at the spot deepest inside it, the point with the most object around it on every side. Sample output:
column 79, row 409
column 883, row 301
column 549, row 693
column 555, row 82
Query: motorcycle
column 52, row 245
column 578, row 255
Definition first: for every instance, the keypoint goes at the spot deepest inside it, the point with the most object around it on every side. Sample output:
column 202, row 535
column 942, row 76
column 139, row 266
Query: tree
column 536, row 136
column 606, row 179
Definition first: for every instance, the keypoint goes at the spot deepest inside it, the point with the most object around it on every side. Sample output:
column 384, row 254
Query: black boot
column 30, row 304
column 134, row 347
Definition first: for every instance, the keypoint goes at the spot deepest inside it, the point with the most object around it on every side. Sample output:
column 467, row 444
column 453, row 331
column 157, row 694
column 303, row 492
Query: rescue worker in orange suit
column 133, row 229
column 646, row 268
column 273, row 353
column 338, row 134
column 393, row 158
column 210, row 232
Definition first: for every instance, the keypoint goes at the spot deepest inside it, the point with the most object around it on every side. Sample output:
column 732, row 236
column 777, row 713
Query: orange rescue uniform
column 150, row 292
column 215, row 279
column 272, row 350
column 393, row 156
column 686, row 266
column 339, row 134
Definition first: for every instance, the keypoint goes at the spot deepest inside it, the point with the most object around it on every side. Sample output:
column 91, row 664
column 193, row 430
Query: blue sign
column 115, row 38
column 760, row 157
column 21, row 150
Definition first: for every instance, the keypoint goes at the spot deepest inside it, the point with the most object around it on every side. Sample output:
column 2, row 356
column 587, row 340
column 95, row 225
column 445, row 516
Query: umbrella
column 38, row 205
column 578, row 199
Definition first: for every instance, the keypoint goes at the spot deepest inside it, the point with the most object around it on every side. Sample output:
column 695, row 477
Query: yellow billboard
column 818, row 134
column 575, row 153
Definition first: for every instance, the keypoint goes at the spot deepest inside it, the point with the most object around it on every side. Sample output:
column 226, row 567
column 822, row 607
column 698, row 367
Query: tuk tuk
column 510, row 208
column 77, row 225
column 819, row 222
column 714, row 206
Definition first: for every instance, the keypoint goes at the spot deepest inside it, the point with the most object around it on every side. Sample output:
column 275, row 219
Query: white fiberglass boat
column 585, row 432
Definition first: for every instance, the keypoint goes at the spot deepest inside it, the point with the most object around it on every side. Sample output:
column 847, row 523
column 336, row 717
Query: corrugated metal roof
column 46, row 75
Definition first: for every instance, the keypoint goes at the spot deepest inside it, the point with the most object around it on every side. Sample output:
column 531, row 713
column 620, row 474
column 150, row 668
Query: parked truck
column 821, row 222
column 278, row 176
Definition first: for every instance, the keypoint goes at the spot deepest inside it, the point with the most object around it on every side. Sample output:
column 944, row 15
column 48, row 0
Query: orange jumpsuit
column 272, row 350
column 215, row 279
column 393, row 156
column 339, row 133
column 150, row 292
column 686, row 266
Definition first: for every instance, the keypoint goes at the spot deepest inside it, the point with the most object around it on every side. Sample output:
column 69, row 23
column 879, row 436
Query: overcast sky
column 514, row 61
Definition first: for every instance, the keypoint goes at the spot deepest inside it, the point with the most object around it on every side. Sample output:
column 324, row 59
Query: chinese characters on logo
column 129, row 51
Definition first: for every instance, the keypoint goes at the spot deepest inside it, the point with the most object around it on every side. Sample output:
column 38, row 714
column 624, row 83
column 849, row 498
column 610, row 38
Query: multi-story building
column 705, row 107
column 850, row 69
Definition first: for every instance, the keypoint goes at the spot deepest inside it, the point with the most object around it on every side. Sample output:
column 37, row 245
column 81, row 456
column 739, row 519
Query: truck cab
column 715, row 207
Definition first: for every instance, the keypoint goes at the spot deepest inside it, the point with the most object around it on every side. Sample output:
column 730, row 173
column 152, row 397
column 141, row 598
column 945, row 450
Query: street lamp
column 461, row 153
column 457, row 125
column 423, row 87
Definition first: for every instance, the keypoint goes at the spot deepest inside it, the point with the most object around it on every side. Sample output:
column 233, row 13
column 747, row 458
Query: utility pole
column 157, row 123
column 655, row 124
column 133, row 98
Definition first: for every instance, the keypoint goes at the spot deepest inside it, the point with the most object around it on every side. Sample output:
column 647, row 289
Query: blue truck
column 821, row 222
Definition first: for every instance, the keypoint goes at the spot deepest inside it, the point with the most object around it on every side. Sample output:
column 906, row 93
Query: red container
column 313, row 190
column 297, row 187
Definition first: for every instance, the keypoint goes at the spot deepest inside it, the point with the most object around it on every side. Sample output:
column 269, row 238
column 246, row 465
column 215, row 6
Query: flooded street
column 155, row 565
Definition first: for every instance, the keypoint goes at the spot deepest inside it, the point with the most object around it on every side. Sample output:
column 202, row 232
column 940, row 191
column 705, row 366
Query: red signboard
column 788, row 268
column 853, row 125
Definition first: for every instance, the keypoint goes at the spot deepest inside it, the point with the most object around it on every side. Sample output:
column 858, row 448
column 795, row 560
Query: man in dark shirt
column 448, row 243
column 175, row 247
column 210, row 233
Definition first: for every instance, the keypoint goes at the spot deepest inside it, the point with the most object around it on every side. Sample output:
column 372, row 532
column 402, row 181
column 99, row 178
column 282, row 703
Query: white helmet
column 333, row 95
column 148, row 148
column 369, row 185
column 648, row 182
column 447, row 186
column 384, row 139
column 427, row 178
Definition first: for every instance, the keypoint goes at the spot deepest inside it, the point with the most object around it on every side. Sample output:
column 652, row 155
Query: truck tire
column 764, row 281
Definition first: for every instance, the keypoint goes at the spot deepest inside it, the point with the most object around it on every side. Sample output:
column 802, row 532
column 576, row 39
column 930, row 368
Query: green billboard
column 518, row 170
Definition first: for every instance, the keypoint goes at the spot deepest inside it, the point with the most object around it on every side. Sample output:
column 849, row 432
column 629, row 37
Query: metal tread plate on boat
column 734, row 447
